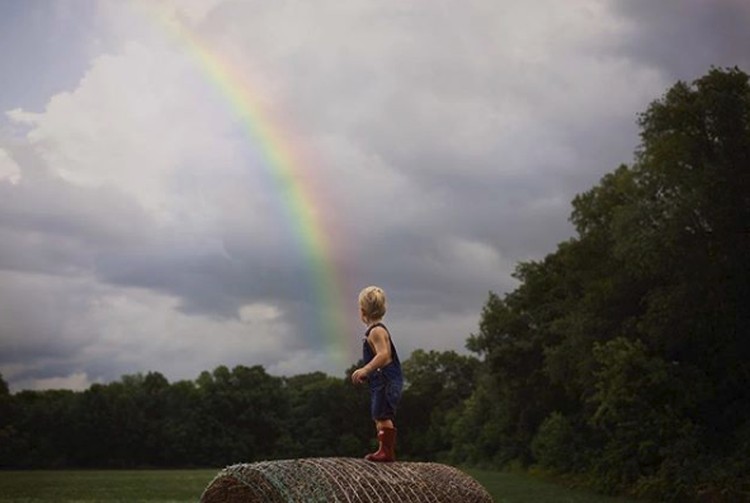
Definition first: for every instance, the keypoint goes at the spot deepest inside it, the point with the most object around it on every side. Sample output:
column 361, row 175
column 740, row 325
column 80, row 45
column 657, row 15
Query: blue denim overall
column 385, row 383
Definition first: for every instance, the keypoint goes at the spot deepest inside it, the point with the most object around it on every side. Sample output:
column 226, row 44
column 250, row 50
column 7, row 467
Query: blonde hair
column 372, row 302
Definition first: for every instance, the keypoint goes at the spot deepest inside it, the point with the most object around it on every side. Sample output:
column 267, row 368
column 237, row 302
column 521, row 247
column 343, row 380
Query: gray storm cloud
column 140, row 229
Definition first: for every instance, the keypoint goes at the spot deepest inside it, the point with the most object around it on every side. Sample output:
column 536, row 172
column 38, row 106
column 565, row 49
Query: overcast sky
column 440, row 143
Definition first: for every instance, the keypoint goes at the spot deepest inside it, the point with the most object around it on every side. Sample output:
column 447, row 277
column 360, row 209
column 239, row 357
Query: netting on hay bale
column 342, row 480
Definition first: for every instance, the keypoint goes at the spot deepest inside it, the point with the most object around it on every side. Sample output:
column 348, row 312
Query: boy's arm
column 379, row 338
column 382, row 346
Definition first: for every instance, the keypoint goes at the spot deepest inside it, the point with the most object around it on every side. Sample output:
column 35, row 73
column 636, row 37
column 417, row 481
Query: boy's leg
column 383, row 409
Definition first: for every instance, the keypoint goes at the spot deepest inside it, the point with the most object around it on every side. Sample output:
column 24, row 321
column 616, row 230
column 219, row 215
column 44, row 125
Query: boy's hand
column 359, row 376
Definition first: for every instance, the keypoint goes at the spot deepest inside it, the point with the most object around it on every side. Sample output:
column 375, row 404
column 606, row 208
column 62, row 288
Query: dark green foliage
column 7, row 430
column 625, row 354
column 554, row 445
column 329, row 417
column 223, row 417
column 437, row 383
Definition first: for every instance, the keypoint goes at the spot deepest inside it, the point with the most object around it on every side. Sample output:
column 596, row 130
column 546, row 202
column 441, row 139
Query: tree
column 6, row 425
column 633, row 335
column 641, row 408
column 436, row 383
column 240, row 414
column 328, row 417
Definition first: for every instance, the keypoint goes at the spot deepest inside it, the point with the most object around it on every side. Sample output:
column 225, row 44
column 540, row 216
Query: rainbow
column 279, row 155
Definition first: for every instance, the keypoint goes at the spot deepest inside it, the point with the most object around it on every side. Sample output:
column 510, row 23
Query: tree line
column 223, row 417
column 622, row 359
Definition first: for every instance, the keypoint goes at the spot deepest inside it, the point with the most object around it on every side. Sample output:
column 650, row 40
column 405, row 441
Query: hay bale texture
column 342, row 480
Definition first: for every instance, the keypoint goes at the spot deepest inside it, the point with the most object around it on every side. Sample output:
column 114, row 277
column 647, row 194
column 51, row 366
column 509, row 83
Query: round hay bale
column 342, row 480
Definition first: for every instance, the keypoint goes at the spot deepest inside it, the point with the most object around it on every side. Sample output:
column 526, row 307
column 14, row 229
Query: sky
column 428, row 148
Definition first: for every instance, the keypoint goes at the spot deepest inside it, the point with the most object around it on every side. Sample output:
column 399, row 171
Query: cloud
column 9, row 170
column 683, row 38
column 128, row 125
column 53, row 324
column 142, row 227
column 77, row 381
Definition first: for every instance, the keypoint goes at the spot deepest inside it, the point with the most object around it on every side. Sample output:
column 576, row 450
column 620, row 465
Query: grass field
column 103, row 485
column 187, row 485
column 508, row 487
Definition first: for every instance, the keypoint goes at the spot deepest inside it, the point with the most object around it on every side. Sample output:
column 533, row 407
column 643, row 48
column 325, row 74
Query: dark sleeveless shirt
column 392, row 371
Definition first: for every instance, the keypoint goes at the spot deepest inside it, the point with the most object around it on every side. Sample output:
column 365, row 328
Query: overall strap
column 367, row 334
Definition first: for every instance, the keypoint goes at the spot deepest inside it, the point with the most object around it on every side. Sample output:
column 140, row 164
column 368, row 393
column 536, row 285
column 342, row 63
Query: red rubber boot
column 387, row 449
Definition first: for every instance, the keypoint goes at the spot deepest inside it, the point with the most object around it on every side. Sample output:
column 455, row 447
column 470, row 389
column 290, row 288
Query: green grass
column 187, row 485
column 103, row 485
column 513, row 487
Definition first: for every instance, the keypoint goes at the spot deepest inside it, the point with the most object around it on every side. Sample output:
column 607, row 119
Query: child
column 383, row 371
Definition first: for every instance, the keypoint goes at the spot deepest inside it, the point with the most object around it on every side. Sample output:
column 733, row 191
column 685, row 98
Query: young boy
column 382, row 369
